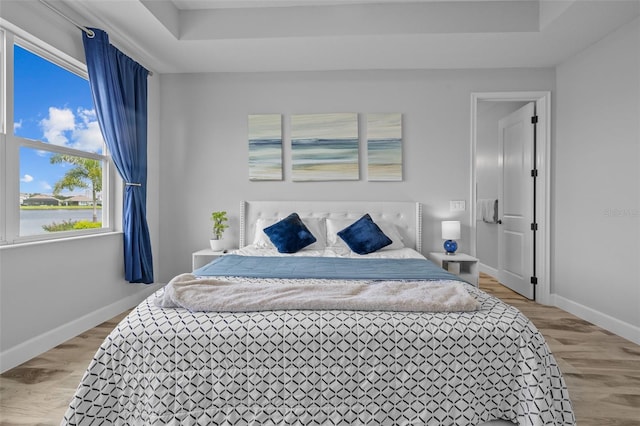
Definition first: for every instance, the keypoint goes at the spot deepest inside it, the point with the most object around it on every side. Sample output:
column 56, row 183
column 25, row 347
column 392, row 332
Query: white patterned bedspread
column 170, row 366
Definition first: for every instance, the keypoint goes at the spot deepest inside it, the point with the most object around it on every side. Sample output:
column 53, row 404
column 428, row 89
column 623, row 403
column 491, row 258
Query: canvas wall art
column 265, row 146
column 324, row 147
column 384, row 147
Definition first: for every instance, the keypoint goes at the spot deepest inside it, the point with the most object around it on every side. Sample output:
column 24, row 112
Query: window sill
column 33, row 241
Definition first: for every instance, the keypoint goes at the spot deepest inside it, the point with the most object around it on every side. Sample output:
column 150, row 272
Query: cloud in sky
column 87, row 136
column 26, row 178
column 78, row 130
column 17, row 126
column 57, row 124
column 46, row 186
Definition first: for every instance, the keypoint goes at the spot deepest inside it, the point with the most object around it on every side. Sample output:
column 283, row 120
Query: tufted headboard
column 406, row 215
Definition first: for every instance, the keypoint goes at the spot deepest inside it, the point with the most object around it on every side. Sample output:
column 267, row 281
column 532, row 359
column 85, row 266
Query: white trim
column 64, row 236
column 543, row 110
column 12, row 144
column 44, row 49
column 614, row 325
column 3, row 81
column 57, row 149
column 488, row 270
column 37, row 345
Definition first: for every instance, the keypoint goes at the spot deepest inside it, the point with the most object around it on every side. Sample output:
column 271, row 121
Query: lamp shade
column 450, row 229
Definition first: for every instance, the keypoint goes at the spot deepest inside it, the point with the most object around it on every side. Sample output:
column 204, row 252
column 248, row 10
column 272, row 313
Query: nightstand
column 202, row 257
column 463, row 265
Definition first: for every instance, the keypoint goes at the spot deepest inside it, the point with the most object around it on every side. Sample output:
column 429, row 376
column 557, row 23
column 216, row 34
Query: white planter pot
column 217, row 245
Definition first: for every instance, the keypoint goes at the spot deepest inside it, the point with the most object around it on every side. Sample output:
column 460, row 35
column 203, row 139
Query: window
column 57, row 180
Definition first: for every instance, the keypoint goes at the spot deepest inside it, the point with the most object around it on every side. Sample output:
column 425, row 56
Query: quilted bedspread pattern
column 170, row 366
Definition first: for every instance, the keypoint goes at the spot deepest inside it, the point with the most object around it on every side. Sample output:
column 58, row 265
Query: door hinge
column 534, row 119
column 534, row 226
column 534, row 173
column 534, row 280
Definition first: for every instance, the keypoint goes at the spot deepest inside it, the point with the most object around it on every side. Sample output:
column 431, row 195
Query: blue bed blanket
column 233, row 265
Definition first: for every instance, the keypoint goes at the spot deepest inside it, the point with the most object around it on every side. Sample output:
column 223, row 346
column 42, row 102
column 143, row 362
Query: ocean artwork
column 324, row 147
column 265, row 147
column 384, row 147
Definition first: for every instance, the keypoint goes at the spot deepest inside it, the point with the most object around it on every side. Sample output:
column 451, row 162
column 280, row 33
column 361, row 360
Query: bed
column 170, row 365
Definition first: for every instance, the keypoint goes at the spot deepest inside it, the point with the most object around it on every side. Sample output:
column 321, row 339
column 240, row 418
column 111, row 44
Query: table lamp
column 450, row 233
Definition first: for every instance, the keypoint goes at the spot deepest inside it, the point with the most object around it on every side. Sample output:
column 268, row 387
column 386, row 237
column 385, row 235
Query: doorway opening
column 486, row 110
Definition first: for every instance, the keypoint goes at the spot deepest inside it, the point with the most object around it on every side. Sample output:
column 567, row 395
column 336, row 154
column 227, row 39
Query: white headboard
column 407, row 216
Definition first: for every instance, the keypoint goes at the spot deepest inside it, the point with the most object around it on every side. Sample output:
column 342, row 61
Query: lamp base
column 450, row 246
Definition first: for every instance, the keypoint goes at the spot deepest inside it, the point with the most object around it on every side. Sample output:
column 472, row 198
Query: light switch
column 457, row 205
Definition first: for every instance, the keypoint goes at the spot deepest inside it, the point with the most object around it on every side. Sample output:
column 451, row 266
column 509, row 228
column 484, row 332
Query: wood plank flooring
column 602, row 370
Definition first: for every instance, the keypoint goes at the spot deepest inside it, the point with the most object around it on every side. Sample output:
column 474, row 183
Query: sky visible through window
column 54, row 106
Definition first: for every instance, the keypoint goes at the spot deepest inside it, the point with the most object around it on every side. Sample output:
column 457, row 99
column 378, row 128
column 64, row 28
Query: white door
column 515, row 207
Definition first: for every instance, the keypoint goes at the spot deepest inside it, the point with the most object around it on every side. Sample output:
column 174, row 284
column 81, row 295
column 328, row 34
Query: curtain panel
column 119, row 89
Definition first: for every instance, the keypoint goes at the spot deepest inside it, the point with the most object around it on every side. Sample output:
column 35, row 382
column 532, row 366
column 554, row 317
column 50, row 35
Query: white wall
column 488, row 175
column 198, row 157
column 596, row 202
column 204, row 147
column 52, row 291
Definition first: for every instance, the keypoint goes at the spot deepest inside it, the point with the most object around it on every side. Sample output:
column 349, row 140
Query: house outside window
column 57, row 180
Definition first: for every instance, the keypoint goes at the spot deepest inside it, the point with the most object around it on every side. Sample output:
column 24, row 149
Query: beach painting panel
column 265, row 146
column 384, row 147
column 324, row 147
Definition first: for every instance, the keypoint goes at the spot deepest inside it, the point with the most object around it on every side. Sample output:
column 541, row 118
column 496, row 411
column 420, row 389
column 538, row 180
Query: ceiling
column 189, row 36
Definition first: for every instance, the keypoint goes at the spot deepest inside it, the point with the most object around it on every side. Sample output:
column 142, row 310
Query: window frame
column 3, row 140
column 10, row 144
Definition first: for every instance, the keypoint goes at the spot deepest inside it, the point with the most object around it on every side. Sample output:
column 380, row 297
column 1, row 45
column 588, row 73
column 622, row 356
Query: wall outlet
column 457, row 206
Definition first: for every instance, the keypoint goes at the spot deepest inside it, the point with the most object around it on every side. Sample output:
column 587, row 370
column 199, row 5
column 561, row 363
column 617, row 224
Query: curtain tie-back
column 132, row 184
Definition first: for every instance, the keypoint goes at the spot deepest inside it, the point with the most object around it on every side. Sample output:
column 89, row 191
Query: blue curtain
column 119, row 89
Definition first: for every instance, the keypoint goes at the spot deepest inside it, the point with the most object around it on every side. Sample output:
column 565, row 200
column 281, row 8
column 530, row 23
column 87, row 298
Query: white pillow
column 260, row 239
column 316, row 225
column 336, row 225
column 333, row 227
column 391, row 230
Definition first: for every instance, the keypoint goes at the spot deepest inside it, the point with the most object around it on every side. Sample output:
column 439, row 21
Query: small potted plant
column 219, row 220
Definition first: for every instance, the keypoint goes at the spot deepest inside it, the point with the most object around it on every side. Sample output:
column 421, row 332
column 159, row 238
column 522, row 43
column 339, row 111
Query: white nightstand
column 202, row 257
column 463, row 265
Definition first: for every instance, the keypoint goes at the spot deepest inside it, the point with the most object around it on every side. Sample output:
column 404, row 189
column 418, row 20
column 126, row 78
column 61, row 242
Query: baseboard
column 488, row 270
column 37, row 345
column 614, row 325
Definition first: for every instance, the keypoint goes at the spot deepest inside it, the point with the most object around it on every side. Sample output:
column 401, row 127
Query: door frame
column 543, row 192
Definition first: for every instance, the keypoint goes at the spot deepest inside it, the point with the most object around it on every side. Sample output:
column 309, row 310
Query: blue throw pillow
column 364, row 236
column 290, row 234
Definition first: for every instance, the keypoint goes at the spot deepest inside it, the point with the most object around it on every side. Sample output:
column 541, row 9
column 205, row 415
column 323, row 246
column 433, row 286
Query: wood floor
column 602, row 370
